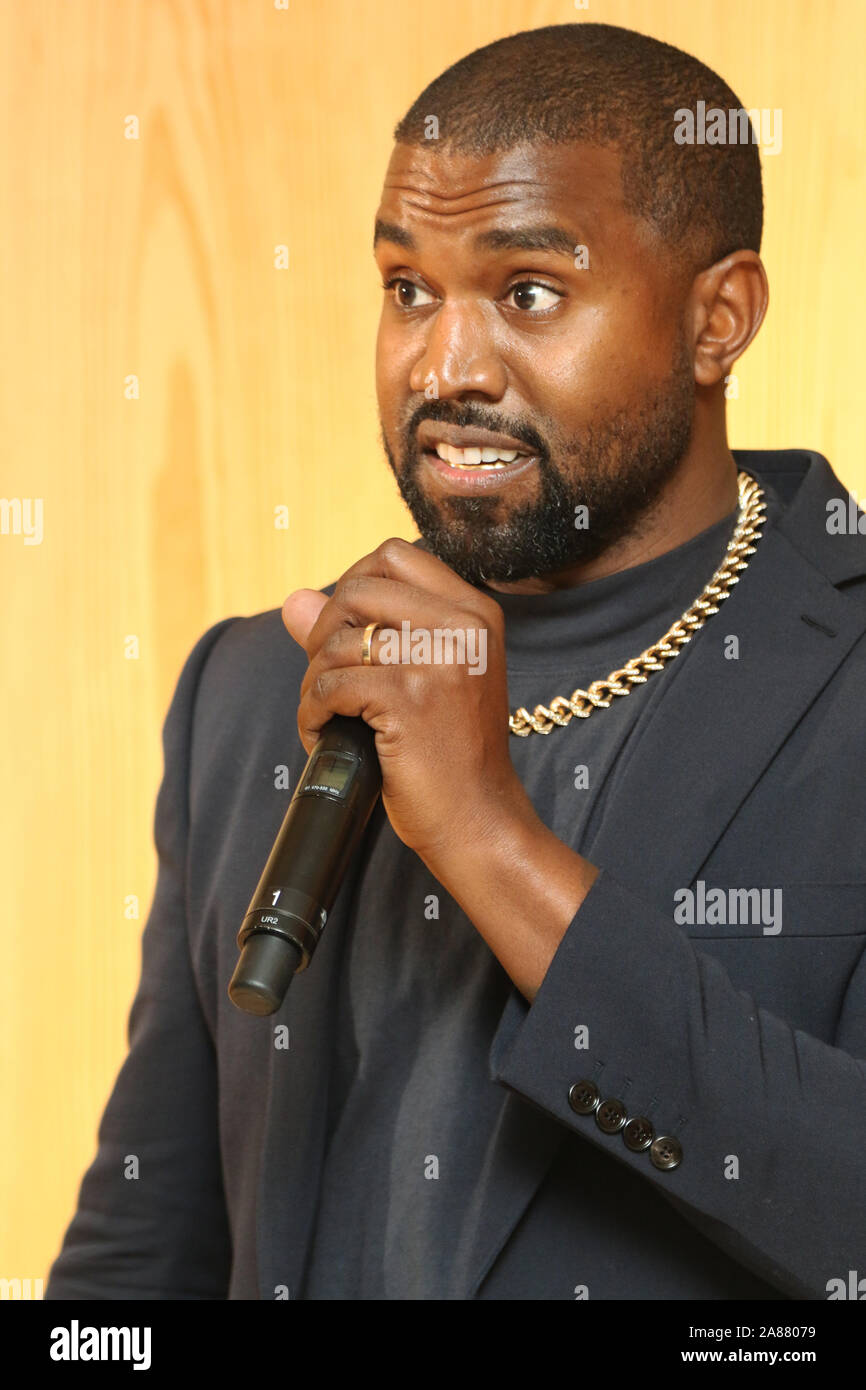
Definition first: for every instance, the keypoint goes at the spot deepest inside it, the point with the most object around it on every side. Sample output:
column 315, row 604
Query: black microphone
column 320, row 831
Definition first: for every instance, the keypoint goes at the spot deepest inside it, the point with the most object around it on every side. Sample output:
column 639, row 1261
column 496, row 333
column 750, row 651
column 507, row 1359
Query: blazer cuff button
column 666, row 1152
column 584, row 1097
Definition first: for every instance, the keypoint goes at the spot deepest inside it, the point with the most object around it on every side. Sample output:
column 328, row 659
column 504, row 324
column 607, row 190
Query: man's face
column 579, row 357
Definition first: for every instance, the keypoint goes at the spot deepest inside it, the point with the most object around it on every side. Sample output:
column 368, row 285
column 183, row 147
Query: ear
column 727, row 305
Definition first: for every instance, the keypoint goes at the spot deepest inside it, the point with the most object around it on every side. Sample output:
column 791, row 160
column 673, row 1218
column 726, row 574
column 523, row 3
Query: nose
column 460, row 356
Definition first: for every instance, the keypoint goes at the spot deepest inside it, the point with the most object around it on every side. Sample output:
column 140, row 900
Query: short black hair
column 606, row 85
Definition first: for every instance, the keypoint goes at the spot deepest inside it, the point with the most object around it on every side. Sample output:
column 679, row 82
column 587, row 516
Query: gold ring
column 366, row 653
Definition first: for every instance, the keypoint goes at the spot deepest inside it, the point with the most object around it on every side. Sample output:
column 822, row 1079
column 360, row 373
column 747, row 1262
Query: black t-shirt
column 412, row 1107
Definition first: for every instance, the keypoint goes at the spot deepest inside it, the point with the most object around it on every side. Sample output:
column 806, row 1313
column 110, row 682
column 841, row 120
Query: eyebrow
column 547, row 237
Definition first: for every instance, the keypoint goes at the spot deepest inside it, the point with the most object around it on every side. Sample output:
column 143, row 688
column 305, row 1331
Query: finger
column 400, row 560
column 388, row 647
column 345, row 647
column 300, row 611
column 364, row 692
column 365, row 598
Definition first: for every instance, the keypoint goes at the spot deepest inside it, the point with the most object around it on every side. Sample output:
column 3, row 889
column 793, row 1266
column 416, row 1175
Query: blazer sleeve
column 157, row 1228
column 722, row 1076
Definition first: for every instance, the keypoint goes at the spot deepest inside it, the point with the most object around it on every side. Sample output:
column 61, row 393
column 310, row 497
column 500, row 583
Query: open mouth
column 480, row 460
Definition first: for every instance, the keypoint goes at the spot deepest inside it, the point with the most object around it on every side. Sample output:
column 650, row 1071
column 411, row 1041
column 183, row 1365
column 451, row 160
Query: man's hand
column 448, row 784
column 441, row 730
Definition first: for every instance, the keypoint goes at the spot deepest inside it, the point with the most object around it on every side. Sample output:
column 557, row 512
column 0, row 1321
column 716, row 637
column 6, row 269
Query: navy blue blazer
column 746, row 1047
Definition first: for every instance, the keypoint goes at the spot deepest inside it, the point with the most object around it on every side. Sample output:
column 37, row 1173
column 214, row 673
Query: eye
column 410, row 285
column 524, row 287
column 532, row 287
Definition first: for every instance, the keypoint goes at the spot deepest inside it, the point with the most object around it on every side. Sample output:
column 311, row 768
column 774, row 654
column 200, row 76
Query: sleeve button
column 610, row 1116
column 666, row 1152
column 584, row 1097
column 638, row 1134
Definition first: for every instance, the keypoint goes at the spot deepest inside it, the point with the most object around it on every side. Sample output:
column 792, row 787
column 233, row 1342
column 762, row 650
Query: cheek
column 593, row 349
column 393, row 365
column 381, row 358
column 629, row 350
column 644, row 331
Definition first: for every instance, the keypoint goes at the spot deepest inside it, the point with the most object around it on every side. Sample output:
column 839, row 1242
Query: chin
column 509, row 564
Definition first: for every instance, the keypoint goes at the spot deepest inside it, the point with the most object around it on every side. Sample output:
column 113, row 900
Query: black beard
column 620, row 467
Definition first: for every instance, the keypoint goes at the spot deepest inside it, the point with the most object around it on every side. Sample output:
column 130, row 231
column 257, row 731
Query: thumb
column 300, row 612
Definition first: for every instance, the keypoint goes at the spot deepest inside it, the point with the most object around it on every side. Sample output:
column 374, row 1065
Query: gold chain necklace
column 635, row 672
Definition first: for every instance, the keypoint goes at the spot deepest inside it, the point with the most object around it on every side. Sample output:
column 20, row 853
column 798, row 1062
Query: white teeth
column 476, row 458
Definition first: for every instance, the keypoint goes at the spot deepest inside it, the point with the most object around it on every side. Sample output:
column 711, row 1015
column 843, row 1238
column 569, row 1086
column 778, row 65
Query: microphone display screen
column 331, row 772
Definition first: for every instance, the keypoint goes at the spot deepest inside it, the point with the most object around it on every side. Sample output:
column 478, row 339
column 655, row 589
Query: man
column 589, row 1016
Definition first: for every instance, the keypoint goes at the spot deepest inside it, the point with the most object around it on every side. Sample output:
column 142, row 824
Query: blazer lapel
column 708, row 734
column 712, row 731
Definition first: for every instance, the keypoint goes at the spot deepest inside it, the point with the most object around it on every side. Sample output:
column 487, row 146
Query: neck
column 702, row 492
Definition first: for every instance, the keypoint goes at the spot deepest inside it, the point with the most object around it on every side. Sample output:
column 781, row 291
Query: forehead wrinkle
column 558, row 180
column 433, row 196
column 385, row 229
